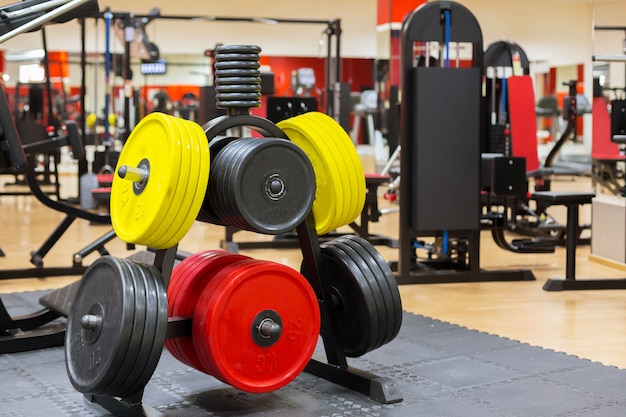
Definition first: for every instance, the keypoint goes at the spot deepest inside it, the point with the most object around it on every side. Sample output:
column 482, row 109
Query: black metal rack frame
column 333, row 368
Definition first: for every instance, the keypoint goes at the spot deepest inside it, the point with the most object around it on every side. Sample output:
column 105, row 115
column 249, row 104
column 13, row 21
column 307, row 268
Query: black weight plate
column 227, row 161
column 370, row 285
column 241, row 58
column 294, row 176
column 133, row 350
column 376, row 312
column 387, row 277
column 155, row 330
column 356, row 313
column 207, row 213
column 273, row 186
column 235, row 156
column 142, row 349
column 382, row 275
column 219, row 192
column 239, row 158
column 237, row 49
column 239, row 96
column 221, row 66
column 391, row 310
column 248, row 80
column 218, row 143
column 238, row 56
column 93, row 356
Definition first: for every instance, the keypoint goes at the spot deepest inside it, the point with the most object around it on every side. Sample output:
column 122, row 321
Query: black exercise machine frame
column 333, row 42
column 31, row 331
column 514, row 200
column 24, row 163
column 19, row 18
column 499, row 54
column 426, row 24
column 38, row 329
column 556, row 233
column 572, row 201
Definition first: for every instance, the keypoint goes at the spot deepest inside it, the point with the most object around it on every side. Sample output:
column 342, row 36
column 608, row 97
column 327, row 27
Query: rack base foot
column 379, row 389
column 122, row 408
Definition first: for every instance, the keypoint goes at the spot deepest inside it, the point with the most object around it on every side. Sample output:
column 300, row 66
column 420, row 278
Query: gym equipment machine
column 39, row 329
column 47, row 106
column 570, row 233
column 332, row 42
column 510, row 141
column 22, row 17
column 508, row 154
column 16, row 333
column 519, row 215
column 344, row 291
column 440, row 159
column 502, row 60
column 31, row 118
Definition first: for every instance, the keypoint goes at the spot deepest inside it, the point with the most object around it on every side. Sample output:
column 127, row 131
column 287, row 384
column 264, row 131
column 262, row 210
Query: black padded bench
column 572, row 200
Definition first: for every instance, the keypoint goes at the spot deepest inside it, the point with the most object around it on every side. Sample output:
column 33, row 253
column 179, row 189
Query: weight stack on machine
column 441, row 129
column 252, row 324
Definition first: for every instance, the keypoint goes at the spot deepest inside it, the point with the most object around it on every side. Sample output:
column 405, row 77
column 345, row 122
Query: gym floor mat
column 440, row 369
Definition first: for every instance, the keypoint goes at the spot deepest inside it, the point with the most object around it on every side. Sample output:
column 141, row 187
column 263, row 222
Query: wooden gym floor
column 588, row 324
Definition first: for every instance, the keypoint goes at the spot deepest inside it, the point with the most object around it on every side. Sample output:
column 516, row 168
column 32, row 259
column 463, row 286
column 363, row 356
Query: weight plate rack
column 350, row 282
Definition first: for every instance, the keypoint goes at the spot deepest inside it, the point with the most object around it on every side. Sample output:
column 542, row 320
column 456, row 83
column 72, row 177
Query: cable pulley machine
column 440, row 125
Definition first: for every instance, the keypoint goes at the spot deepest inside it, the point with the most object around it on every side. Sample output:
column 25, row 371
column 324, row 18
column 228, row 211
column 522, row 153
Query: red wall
column 395, row 10
column 358, row 72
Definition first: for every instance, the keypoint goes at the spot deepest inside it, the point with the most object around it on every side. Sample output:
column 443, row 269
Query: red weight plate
column 177, row 279
column 225, row 319
column 186, row 277
column 190, row 277
column 189, row 293
column 180, row 274
column 179, row 347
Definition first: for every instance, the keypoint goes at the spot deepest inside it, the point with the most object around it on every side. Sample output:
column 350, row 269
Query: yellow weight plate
column 167, row 228
column 345, row 200
column 137, row 209
column 328, row 209
column 356, row 181
column 351, row 156
column 325, row 209
column 199, row 179
column 345, row 155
